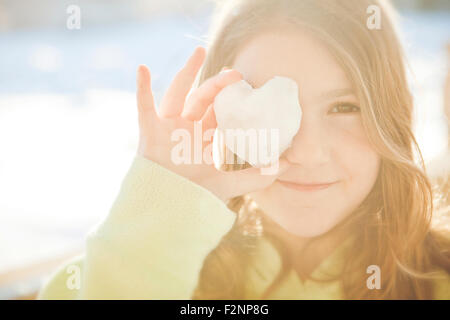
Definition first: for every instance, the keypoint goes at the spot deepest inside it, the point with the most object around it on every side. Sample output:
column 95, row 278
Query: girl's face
column 332, row 164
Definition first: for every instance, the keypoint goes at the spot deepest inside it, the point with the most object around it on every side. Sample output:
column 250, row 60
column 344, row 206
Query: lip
column 306, row 187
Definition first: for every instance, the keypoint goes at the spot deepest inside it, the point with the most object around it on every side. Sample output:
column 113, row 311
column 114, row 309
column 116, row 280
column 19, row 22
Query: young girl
column 347, row 216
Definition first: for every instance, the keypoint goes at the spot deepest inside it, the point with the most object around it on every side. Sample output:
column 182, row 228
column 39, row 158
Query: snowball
column 257, row 125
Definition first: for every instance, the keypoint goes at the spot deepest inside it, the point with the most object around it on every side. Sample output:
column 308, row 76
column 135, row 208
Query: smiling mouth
column 306, row 187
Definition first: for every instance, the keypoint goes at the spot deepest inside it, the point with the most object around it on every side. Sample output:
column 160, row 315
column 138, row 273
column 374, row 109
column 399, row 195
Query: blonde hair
column 393, row 224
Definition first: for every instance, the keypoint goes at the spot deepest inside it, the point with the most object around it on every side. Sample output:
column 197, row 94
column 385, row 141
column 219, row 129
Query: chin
column 307, row 224
column 311, row 220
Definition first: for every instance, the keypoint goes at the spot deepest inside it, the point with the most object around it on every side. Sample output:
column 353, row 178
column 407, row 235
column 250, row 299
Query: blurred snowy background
column 68, row 127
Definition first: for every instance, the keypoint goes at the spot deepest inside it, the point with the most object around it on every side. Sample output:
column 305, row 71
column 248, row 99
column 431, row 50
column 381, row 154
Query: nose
column 310, row 146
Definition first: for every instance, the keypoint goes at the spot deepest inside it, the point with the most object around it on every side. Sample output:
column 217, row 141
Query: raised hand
column 178, row 110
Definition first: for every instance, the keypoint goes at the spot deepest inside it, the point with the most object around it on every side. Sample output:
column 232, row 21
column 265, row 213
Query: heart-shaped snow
column 257, row 125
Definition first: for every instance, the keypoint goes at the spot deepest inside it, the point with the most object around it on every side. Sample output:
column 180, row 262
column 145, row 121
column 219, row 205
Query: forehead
column 294, row 54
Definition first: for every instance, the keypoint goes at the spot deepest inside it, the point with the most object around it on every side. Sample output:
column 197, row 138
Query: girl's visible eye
column 344, row 107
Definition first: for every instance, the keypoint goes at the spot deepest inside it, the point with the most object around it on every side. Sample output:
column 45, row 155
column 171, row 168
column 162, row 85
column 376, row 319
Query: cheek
column 353, row 153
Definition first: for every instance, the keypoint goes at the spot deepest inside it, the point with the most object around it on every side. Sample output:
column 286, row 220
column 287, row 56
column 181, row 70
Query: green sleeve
column 441, row 287
column 153, row 243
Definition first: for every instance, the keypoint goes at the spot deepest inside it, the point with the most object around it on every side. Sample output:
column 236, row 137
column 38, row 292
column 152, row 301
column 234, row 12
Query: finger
column 209, row 118
column 144, row 97
column 173, row 101
column 198, row 102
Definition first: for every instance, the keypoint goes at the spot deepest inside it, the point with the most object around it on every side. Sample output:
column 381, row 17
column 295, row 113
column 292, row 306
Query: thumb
column 253, row 179
column 271, row 171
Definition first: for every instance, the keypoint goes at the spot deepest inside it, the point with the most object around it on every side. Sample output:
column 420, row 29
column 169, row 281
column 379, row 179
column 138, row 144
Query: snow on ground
column 68, row 125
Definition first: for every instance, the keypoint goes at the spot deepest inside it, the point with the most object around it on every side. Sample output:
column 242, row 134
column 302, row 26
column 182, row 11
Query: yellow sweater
column 154, row 242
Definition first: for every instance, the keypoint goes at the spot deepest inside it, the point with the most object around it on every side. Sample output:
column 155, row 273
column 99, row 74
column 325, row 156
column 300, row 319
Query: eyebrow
column 337, row 93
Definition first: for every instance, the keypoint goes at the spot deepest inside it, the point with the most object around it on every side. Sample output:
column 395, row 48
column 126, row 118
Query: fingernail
column 224, row 69
column 224, row 72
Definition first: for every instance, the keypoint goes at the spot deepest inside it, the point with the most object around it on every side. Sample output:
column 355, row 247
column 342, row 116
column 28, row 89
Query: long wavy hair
column 393, row 226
